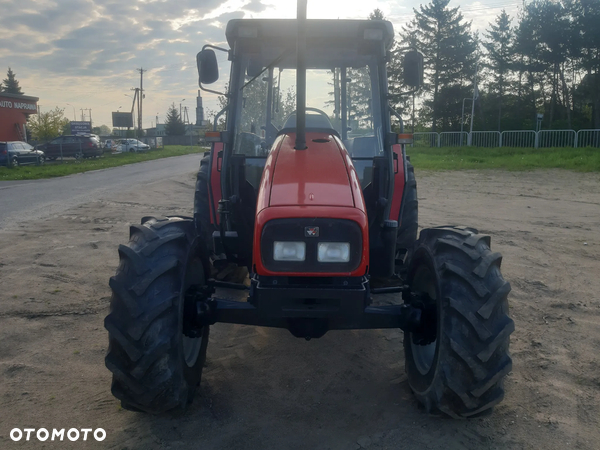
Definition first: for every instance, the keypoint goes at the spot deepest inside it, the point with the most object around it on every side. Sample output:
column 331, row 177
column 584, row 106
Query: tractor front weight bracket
column 306, row 312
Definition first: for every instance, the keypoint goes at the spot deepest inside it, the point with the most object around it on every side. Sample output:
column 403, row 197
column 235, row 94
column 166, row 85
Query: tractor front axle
column 307, row 311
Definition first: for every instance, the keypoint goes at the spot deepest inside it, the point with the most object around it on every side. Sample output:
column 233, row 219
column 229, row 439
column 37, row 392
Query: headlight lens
column 289, row 251
column 334, row 252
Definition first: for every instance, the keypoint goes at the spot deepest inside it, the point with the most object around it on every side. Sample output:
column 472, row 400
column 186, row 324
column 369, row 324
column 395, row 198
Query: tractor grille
column 311, row 231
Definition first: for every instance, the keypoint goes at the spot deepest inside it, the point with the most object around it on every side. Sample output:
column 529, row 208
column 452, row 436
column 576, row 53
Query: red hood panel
column 316, row 176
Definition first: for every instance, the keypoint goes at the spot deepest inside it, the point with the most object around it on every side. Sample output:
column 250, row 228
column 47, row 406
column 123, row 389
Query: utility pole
column 82, row 116
column 141, row 71
column 187, row 120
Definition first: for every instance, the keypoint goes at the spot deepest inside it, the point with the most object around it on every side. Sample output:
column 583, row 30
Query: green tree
column 102, row 130
column 48, row 125
column 586, row 20
column 450, row 51
column 174, row 126
column 499, row 57
column 377, row 14
column 10, row 84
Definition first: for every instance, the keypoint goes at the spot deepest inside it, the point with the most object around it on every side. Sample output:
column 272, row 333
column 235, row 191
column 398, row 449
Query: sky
column 84, row 54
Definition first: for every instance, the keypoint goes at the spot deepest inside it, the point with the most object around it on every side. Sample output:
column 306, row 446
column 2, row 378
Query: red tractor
column 317, row 206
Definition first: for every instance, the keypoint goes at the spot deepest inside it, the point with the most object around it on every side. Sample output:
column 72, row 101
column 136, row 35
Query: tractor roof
column 328, row 42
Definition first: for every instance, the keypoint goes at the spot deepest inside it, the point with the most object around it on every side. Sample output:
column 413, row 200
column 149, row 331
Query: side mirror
column 208, row 68
column 412, row 69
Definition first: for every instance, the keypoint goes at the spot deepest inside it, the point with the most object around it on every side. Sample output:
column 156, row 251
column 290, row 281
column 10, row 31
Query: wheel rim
column 15, row 163
column 191, row 346
column 424, row 355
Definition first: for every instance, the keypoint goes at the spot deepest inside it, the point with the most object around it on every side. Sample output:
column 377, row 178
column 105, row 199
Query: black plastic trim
column 330, row 230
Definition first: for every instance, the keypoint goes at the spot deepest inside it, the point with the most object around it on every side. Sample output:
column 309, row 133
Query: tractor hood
column 317, row 176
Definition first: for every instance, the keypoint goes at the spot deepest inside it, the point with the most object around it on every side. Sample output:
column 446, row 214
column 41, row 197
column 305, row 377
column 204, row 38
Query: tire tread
column 473, row 354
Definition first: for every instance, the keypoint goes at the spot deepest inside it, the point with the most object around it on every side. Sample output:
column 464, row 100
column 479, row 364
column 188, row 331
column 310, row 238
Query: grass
column 444, row 158
column 68, row 167
column 467, row 158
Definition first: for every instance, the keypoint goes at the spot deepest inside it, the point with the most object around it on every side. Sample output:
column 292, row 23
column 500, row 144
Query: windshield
column 347, row 96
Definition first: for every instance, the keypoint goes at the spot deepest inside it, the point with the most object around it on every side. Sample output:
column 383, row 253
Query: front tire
column 155, row 367
column 458, row 363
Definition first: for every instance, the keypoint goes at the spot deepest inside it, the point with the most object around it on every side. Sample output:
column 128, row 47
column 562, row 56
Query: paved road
column 22, row 201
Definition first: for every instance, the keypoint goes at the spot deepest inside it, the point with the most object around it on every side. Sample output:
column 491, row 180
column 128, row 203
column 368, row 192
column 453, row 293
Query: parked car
column 82, row 146
column 16, row 153
column 132, row 145
column 109, row 145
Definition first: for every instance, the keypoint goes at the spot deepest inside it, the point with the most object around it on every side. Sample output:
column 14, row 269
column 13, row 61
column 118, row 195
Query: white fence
column 557, row 138
column 514, row 138
column 485, row 139
column 588, row 138
column 520, row 138
column 453, row 138
column 426, row 140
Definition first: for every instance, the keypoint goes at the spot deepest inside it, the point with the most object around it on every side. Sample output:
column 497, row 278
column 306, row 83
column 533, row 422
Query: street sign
column 122, row 120
column 81, row 128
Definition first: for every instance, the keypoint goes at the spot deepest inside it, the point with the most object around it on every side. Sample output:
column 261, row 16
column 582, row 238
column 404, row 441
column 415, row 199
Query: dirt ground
column 263, row 388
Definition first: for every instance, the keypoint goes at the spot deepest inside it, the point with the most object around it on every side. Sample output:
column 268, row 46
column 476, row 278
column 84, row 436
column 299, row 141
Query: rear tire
column 155, row 367
column 14, row 162
column 461, row 372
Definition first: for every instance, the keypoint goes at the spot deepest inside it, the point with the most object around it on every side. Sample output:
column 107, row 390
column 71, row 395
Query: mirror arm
column 414, row 91
column 219, row 114
column 405, row 49
column 398, row 116
column 213, row 92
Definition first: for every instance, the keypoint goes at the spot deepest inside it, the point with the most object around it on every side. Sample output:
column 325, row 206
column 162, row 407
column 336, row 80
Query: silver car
column 132, row 145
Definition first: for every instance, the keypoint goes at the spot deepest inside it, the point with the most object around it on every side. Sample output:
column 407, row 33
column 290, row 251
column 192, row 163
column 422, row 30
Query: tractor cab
column 336, row 80
column 346, row 79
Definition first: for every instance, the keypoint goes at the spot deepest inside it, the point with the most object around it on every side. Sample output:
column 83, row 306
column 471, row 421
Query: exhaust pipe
column 301, row 77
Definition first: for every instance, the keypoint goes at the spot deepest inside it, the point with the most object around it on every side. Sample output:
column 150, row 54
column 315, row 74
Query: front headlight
column 334, row 252
column 289, row 251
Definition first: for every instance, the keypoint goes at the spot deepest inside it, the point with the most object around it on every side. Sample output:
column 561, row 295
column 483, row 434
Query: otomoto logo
column 44, row 434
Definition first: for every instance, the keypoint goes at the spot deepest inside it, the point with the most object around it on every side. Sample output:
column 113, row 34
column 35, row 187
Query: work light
column 334, row 252
column 289, row 251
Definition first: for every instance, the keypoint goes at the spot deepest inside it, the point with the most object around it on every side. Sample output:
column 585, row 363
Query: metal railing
column 426, row 140
column 588, row 138
column 486, row 139
column 453, row 138
column 518, row 138
column 556, row 138
column 510, row 138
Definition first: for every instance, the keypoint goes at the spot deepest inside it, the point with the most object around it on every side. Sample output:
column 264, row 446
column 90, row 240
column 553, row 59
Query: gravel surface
column 264, row 389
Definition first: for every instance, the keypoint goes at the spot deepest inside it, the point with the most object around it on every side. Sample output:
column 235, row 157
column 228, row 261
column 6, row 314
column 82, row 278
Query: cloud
column 255, row 6
column 86, row 52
